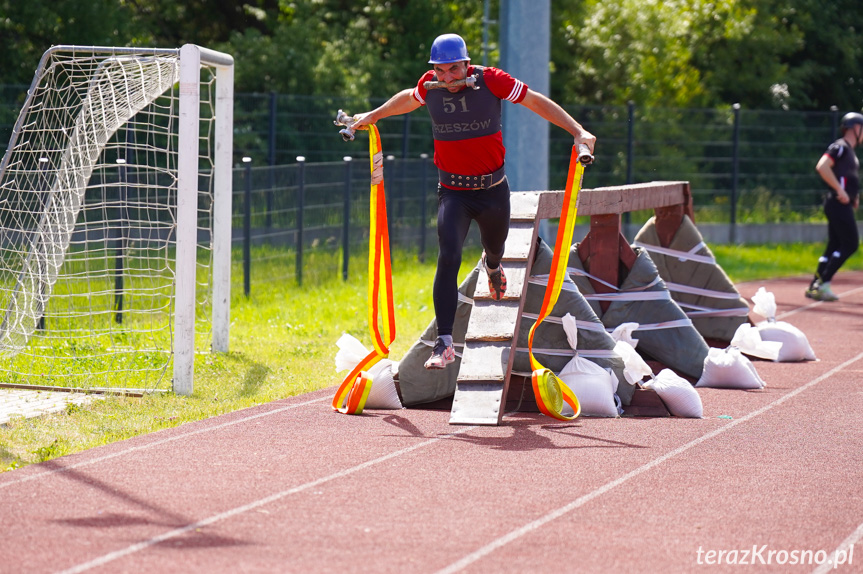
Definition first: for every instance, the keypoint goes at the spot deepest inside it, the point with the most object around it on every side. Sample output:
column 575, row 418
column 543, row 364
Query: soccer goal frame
column 45, row 232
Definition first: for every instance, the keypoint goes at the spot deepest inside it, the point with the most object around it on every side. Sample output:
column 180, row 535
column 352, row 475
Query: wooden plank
column 514, row 271
column 518, row 242
column 625, row 198
column 617, row 199
column 492, row 321
column 523, row 205
column 477, row 403
column 550, row 205
column 484, row 361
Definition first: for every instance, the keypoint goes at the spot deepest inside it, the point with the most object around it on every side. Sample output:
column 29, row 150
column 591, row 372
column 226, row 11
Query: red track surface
column 293, row 487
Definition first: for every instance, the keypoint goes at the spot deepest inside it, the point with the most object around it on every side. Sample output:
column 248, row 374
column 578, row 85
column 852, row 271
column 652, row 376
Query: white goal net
column 112, row 195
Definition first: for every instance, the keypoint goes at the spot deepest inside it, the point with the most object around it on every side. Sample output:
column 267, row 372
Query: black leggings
column 842, row 238
column 456, row 209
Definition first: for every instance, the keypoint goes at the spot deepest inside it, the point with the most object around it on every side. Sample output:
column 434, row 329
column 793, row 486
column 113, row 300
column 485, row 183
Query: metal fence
column 744, row 166
column 285, row 216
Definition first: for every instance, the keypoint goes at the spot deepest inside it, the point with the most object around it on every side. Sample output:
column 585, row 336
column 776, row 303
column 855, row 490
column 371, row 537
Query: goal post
column 191, row 58
column 115, row 205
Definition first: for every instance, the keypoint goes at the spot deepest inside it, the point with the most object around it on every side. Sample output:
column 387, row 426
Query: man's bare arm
column 552, row 112
column 401, row 103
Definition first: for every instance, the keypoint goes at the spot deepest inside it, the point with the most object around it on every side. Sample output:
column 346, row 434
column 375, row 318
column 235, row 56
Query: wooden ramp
column 492, row 332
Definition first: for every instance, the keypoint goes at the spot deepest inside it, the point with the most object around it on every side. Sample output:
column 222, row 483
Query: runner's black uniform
column 842, row 236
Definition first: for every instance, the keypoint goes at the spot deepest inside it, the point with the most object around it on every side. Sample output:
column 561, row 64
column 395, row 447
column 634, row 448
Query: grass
column 283, row 344
column 750, row 263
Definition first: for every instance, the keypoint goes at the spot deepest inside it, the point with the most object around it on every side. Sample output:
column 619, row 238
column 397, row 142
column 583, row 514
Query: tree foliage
column 787, row 54
column 29, row 27
column 348, row 48
column 826, row 69
column 677, row 53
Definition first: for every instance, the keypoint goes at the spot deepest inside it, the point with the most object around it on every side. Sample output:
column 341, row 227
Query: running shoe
column 496, row 282
column 821, row 293
column 442, row 355
column 826, row 293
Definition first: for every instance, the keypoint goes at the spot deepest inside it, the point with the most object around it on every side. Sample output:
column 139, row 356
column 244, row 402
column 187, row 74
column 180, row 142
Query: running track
column 291, row 486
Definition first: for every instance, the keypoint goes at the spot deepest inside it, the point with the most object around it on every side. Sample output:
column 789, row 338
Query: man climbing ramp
column 464, row 102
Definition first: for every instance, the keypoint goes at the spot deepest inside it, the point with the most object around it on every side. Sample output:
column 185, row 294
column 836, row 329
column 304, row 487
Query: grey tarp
column 730, row 311
column 682, row 348
column 420, row 386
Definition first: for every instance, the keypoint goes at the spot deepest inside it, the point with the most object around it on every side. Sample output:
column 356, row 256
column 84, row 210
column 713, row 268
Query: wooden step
column 477, row 403
column 519, row 241
column 484, row 361
column 492, row 321
column 523, row 205
column 515, row 273
column 481, row 382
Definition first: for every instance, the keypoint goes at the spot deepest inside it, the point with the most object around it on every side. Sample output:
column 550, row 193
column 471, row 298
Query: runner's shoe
column 821, row 292
column 826, row 293
column 812, row 290
column 496, row 282
column 442, row 355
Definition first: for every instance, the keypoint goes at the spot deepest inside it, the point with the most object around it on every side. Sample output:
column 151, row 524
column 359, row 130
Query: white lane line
column 844, row 547
column 157, row 443
column 581, row 501
column 111, row 556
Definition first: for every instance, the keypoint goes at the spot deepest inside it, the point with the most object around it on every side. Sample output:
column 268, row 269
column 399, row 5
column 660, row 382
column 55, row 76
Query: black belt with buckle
column 471, row 181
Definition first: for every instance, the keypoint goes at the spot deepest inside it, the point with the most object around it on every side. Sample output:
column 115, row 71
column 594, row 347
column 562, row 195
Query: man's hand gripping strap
column 354, row 390
column 550, row 391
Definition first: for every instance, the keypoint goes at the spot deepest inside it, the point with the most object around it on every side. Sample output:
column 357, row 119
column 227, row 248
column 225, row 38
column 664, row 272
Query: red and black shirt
column 466, row 124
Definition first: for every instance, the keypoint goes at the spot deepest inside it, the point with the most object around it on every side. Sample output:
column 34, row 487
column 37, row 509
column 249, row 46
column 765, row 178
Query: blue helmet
column 448, row 48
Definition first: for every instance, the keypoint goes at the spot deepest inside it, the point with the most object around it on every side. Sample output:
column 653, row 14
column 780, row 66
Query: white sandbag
column 677, row 393
column 623, row 332
column 729, row 369
column 748, row 339
column 593, row 385
column 634, row 366
column 383, row 394
column 795, row 345
column 765, row 303
column 351, row 352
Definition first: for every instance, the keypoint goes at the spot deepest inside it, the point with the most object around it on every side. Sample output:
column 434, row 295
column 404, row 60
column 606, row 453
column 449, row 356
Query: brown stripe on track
column 291, row 486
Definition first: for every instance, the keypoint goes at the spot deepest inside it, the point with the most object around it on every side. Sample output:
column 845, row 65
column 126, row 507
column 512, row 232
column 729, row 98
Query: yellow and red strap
column 550, row 391
column 352, row 393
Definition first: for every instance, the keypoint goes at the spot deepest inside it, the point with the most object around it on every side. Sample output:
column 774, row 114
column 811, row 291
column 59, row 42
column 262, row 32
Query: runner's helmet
column 447, row 49
column 851, row 119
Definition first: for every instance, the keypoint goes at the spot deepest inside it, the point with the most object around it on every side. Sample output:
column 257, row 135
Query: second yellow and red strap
column 551, row 393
